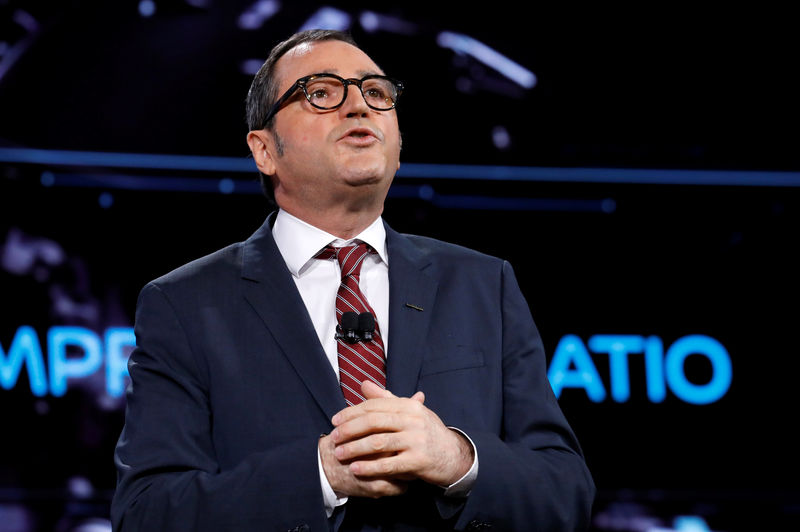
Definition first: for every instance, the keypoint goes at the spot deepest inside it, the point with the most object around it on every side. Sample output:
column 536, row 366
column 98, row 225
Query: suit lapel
column 271, row 291
column 409, row 287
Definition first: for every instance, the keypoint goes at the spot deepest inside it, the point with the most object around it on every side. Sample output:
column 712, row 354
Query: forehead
column 336, row 57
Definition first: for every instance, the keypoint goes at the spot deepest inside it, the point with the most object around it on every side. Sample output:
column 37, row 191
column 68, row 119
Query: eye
column 375, row 92
column 324, row 92
column 317, row 92
column 379, row 92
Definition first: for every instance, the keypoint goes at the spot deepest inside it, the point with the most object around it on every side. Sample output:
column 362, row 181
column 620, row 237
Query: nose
column 354, row 104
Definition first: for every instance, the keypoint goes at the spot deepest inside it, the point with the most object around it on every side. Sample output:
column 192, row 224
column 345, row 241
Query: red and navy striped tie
column 361, row 360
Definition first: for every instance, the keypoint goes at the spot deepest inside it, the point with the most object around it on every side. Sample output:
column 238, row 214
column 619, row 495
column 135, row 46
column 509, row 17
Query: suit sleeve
column 168, row 475
column 532, row 476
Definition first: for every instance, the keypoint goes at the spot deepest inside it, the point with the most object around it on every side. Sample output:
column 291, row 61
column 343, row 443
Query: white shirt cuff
column 328, row 495
column 463, row 486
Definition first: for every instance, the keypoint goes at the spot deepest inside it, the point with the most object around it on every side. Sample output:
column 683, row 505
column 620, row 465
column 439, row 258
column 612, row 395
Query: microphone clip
column 355, row 327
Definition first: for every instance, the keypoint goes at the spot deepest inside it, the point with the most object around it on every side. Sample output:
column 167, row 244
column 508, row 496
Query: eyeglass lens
column 328, row 92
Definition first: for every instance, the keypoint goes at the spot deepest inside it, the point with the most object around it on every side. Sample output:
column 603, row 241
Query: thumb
column 370, row 390
column 419, row 396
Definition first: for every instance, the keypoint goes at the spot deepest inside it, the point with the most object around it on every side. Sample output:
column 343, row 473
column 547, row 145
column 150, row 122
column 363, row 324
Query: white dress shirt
column 318, row 283
column 318, row 280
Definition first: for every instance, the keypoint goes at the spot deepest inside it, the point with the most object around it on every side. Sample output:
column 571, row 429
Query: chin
column 366, row 176
column 366, row 163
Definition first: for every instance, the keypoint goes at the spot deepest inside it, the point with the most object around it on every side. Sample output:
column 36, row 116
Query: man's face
column 345, row 155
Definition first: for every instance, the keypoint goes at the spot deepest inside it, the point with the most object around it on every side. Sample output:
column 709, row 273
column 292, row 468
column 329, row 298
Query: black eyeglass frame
column 302, row 82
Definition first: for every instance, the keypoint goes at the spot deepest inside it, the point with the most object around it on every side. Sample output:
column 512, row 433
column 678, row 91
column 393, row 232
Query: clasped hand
column 378, row 446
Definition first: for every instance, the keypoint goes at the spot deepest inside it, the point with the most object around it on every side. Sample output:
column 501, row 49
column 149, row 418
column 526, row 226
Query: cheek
column 302, row 147
column 393, row 135
column 397, row 144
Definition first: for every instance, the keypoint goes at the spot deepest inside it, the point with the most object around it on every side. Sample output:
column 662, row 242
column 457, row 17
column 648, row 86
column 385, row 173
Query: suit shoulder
column 447, row 251
column 216, row 266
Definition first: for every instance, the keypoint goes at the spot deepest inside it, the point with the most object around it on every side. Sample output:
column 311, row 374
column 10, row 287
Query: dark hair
column 264, row 90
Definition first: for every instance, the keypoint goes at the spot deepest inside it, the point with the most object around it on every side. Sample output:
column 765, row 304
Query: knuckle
column 392, row 421
column 415, row 406
column 378, row 442
column 380, row 488
column 386, row 488
column 341, row 433
column 374, row 419
column 386, row 468
column 343, row 452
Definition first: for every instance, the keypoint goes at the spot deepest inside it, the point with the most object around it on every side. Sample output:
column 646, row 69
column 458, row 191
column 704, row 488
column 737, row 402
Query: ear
column 262, row 147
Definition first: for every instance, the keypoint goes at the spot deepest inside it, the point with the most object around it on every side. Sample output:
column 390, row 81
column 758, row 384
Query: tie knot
column 350, row 257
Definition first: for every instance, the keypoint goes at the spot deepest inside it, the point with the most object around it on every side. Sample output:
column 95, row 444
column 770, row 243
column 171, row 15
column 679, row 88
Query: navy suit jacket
column 231, row 390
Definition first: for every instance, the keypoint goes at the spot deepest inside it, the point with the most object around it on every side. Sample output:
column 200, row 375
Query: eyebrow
column 360, row 73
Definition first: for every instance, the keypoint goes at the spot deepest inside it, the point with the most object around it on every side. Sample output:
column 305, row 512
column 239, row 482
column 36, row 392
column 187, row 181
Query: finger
column 419, row 396
column 378, row 487
column 392, row 467
column 387, row 404
column 343, row 481
column 370, row 390
column 370, row 423
column 372, row 446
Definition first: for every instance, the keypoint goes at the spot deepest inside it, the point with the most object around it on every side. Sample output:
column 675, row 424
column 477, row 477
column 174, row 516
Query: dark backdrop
column 602, row 252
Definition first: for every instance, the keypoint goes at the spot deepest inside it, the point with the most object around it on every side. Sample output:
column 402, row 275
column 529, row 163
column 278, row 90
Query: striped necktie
column 361, row 360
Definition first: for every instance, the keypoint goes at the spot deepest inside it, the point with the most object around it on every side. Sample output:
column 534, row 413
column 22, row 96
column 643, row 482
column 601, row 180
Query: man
column 250, row 407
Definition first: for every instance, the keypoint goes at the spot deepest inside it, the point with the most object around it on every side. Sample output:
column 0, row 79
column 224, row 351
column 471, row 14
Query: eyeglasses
column 329, row 91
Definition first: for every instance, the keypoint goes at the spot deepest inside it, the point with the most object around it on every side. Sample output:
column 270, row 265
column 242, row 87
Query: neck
column 343, row 215
column 338, row 222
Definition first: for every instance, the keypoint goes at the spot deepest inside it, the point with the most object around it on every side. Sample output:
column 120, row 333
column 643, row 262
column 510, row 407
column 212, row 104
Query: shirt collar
column 299, row 241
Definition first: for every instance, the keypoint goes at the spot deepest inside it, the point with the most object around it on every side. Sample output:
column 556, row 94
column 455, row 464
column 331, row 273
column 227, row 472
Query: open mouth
column 362, row 134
